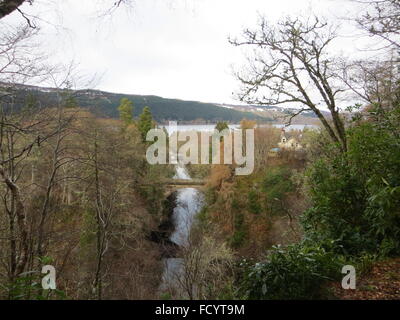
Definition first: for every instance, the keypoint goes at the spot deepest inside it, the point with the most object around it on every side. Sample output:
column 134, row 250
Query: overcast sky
column 170, row 48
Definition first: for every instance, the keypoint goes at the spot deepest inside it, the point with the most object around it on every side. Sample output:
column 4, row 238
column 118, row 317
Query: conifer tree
column 145, row 122
column 126, row 111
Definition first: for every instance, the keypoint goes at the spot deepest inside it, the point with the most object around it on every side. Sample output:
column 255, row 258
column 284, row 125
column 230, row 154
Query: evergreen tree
column 222, row 125
column 145, row 122
column 126, row 111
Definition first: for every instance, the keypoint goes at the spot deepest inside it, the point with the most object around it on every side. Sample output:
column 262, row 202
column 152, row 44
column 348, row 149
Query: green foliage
column 28, row 286
column 202, row 217
column 153, row 194
column 355, row 196
column 165, row 296
column 296, row 272
column 238, row 239
column 145, row 123
column 253, row 204
column 46, row 260
column 276, row 185
column 210, row 195
column 363, row 264
column 126, row 111
column 354, row 213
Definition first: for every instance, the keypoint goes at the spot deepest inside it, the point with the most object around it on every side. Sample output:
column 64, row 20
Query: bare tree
column 59, row 158
column 206, row 268
column 381, row 19
column 292, row 65
column 376, row 82
column 20, row 57
column 20, row 134
column 105, row 192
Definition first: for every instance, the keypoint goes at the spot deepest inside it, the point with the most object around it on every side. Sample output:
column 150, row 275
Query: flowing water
column 189, row 202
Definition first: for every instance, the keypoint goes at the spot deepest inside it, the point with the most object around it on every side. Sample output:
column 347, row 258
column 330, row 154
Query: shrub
column 296, row 272
column 253, row 204
column 276, row 185
column 238, row 239
column 355, row 196
column 354, row 213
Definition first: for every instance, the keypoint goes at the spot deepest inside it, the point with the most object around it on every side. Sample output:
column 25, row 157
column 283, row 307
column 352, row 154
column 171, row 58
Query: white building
column 289, row 142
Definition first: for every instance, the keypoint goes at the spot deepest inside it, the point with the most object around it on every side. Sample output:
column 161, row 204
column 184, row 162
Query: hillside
column 106, row 104
column 163, row 109
column 278, row 114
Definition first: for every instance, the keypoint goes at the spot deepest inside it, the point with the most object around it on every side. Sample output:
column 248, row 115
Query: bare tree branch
column 291, row 65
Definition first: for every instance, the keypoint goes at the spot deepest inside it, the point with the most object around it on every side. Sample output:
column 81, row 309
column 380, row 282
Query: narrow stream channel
column 189, row 203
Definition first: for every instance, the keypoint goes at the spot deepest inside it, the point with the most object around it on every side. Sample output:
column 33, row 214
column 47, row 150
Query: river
column 189, row 202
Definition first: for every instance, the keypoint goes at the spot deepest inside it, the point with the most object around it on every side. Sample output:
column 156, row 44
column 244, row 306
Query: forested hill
column 106, row 104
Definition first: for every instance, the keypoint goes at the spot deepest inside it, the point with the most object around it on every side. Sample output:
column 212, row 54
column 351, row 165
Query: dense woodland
column 77, row 192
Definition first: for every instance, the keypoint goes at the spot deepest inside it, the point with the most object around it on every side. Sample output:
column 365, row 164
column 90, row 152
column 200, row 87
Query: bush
column 354, row 213
column 276, row 185
column 356, row 196
column 296, row 272
column 238, row 239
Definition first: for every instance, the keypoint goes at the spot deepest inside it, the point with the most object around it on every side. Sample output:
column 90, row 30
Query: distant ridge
column 106, row 104
column 278, row 113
